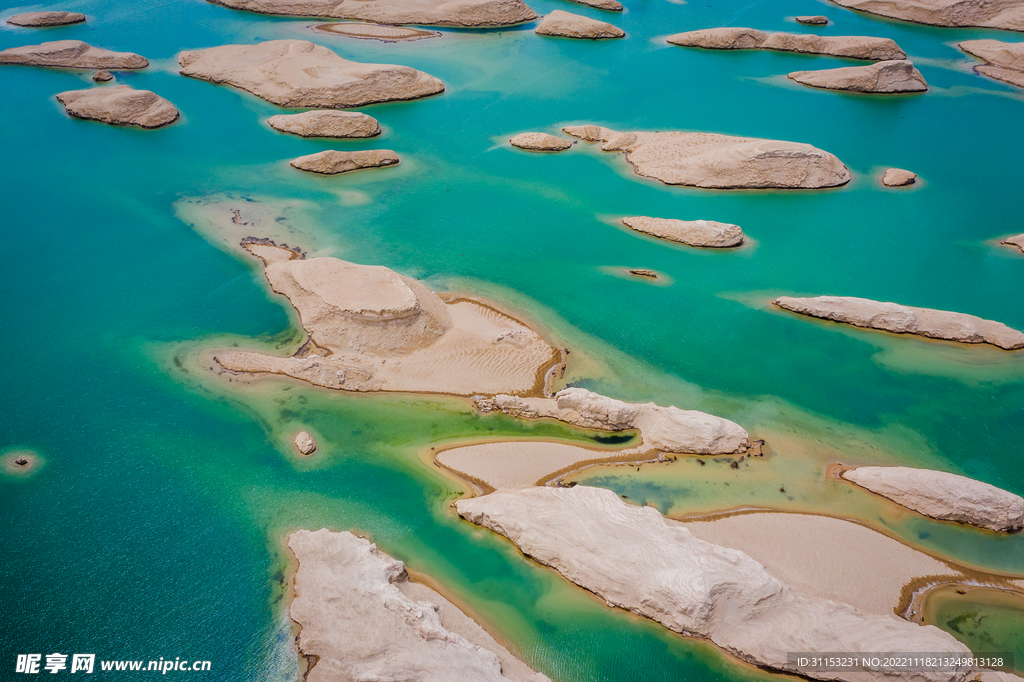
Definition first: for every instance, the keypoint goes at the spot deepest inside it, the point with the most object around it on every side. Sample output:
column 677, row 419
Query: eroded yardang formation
column 706, row 233
column 1004, row 61
column 119, row 106
column 636, row 560
column 886, row 77
column 333, row 162
column 328, row 123
column 943, row 496
column 901, row 319
column 298, row 73
column 568, row 25
column 720, row 161
column 854, row 47
column 362, row 619
column 45, row 19
column 540, row 142
column 72, row 54
column 387, row 34
column 1005, row 14
column 427, row 12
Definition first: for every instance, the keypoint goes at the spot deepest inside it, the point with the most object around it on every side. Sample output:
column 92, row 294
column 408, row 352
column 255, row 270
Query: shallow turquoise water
column 154, row 527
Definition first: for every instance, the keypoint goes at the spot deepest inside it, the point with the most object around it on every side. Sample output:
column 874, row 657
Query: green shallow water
column 154, row 527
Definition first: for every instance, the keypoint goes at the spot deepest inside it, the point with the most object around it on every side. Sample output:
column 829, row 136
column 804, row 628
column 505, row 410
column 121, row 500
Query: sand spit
column 888, row 77
column 466, row 13
column 568, row 25
column 371, row 329
column 329, row 123
column 715, row 161
column 72, row 54
column 120, row 106
column 304, row 443
column 854, row 47
column 332, row 162
column 46, row 19
column 1003, row 61
column 901, row 319
column 387, row 34
column 1005, row 14
column 897, row 177
column 636, row 560
column 1016, row 241
column 943, row 496
column 298, row 73
column 703, row 233
column 540, row 142
column 816, row 20
column 362, row 619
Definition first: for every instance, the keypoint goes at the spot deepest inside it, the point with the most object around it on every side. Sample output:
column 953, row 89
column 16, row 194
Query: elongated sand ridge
column 72, row 54
column 371, row 329
column 330, row 123
column 120, row 106
column 703, row 233
column 469, row 13
column 332, row 162
column 634, row 559
column 46, row 19
column 888, row 77
column 540, row 142
column 1003, row 61
column 901, row 319
column 943, row 496
column 567, row 25
column 362, row 619
column 298, row 73
column 376, row 32
column 1005, row 14
column 854, row 47
column 715, row 161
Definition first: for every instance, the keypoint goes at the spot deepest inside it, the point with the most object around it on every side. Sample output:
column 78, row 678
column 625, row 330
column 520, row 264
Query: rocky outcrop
column 46, row 19
column 120, row 106
column 668, row 429
column 897, row 177
column 1003, row 61
column 635, row 559
column 298, row 73
column 304, row 443
column 1017, row 241
column 540, row 142
column 943, row 496
column 854, row 47
column 888, row 77
column 720, row 161
column 332, row 162
column 816, row 20
column 72, row 54
column 706, row 233
column 1004, row 14
column 568, row 25
column 901, row 319
column 468, row 13
column 610, row 5
column 103, row 76
column 362, row 619
column 387, row 34
column 326, row 124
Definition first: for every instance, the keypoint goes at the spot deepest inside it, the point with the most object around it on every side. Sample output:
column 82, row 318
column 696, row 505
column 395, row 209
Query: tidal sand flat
column 298, row 73
column 331, row 162
column 387, row 34
column 853, row 47
column 1003, row 61
column 1004, row 14
column 467, row 13
column 328, row 123
column 702, row 233
column 540, row 142
column 888, row 77
column 568, row 25
column 120, row 106
column 72, row 54
column 46, row 19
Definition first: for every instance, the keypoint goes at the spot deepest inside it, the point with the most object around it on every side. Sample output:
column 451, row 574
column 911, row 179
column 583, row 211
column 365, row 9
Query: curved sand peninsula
column 1005, row 14
column 720, row 161
column 540, row 142
column 328, row 123
column 120, row 106
column 943, row 496
column 333, row 162
column 635, row 559
column 387, row 34
column 854, row 47
column 897, row 177
column 568, row 25
column 703, row 233
column 298, row 73
column 371, row 329
column 469, row 13
column 362, row 619
column 888, row 77
column 1003, row 61
column 46, row 19
column 72, row 54
column 901, row 319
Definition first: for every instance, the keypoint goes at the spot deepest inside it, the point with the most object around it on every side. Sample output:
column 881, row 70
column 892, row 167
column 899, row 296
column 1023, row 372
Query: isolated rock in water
column 720, row 161
column 567, row 25
column 635, row 559
column 1017, row 241
column 332, row 162
column 386, row 34
column 943, row 496
column 471, row 13
column 901, row 319
column 883, row 77
column 1005, row 14
column 897, row 177
column 610, row 5
column 540, row 142
column 304, row 443
column 816, row 20
column 326, row 124
column 72, row 54
column 692, row 232
column 103, row 76
column 1004, row 61
column 119, row 106
column 44, row 19
column 298, row 73
column 855, row 47
column 362, row 619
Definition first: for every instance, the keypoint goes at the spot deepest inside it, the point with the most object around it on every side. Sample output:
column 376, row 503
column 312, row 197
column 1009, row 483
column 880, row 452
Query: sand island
column 332, row 162
column 72, row 54
column 120, row 106
column 702, row 233
column 1003, row 61
column 466, row 13
column 329, row 123
column 46, row 19
column 887, row 77
column 853, row 47
column 1004, row 14
column 387, row 34
column 567, row 25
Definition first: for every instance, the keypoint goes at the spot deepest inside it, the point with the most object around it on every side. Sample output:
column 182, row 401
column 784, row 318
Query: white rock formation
column 1017, row 241
column 901, row 319
column 706, row 233
column 897, row 177
column 540, row 142
column 470, row 13
column 720, row 161
column 72, row 54
column 1003, row 61
column 298, row 73
column 331, row 162
column 1005, row 14
column 634, row 559
column 362, row 619
column 892, row 76
column 304, row 443
column 45, row 19
column 815, row 20
column 568, row 25
column 120, row 106
column 329, row 123
column 854, row 47
column 943, row 496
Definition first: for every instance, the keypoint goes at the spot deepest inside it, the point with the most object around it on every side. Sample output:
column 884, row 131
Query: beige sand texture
column 898, row 177
column 1005, row 14
column 888, row 77
column 120, row 106
column 700, row 233
column 540, row 142
column 46, row 19
column 567, row 25
column 327, row 123
column 853, row 47
column 1017, row 241
column 72, row 54
column 610, row 5
column 387, row 34
column 469, row 13
column 1003, row 61
column 333, row 162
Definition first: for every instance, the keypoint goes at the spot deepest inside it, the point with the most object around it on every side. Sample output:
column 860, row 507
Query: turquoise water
column 154, row 527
